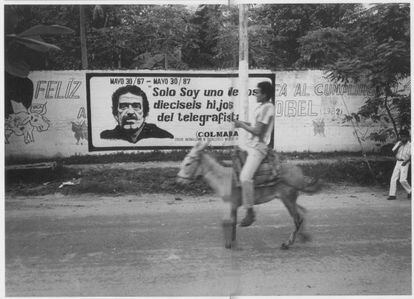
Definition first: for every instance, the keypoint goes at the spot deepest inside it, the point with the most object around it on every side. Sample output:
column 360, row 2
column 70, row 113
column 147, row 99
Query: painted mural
column 312, row 109
column 63, row 120
column 80, row 127
column 161, row 110
column 23, row 122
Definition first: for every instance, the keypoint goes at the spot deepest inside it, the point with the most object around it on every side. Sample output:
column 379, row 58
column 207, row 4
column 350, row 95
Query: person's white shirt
column 404, row 151
column 264, row 114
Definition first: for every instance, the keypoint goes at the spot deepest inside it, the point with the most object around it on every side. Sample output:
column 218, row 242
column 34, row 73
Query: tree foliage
column 136, row 36
column 116, row 34
column 371, row 45
column 25, row 48
column 205, row 24
column 287, row 23
column 350, row 42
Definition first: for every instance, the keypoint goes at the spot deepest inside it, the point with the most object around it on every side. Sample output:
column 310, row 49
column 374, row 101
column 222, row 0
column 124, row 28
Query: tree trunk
column 166, row 61
column 390, row 116
column 364, row 155
column 84, row 52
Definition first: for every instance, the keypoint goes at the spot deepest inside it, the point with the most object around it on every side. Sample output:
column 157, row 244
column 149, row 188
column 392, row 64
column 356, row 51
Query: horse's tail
column 293, row 176
column 301, row 209
column 312, row 186
column 308, row 185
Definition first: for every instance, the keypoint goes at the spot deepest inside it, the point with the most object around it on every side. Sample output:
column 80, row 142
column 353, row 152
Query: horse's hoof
column 284, row 246
column 227, row 223
column 228, row 233
column 230, row 245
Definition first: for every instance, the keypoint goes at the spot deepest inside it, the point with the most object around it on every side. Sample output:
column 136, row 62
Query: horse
column 199, row 163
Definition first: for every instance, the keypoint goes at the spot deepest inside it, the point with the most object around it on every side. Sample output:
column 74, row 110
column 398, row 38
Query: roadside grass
column 162, row 180
column 355, row 172
column 143, row 156
column 174, row 155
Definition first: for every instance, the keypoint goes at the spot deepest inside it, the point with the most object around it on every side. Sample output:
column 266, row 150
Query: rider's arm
column 256, row 130
column 396, row 146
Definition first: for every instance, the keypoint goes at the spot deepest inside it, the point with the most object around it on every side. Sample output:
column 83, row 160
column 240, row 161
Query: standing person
column 403, row 155
column 256, row 145
column 130, row 108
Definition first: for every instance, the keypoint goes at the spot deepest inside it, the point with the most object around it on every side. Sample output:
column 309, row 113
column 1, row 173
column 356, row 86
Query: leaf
column 98, row 13
column 46, row 30
column 36, row 45
column 38, row 38
column 17, row 68
column 18, row 92
column 10, row 19
column 356, row 117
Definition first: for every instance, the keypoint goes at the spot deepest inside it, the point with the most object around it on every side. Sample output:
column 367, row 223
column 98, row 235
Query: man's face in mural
column 130, row 112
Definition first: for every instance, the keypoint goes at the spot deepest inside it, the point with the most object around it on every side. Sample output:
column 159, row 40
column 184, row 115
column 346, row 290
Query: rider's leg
column 253, row 160
column 248, row 202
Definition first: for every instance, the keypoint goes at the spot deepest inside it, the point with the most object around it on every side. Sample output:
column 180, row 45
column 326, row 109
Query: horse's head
column 191, row 168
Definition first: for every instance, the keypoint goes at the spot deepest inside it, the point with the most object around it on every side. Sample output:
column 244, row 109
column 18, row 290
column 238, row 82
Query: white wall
column 310, row 112
column 63, row 94
column 308, row 116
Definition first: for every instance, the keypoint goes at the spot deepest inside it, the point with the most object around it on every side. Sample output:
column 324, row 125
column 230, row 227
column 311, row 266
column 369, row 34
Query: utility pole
column 243, row 64
column 82, row 23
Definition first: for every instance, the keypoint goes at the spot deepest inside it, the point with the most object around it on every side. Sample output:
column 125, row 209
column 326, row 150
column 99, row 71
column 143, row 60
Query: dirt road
column 156, row 245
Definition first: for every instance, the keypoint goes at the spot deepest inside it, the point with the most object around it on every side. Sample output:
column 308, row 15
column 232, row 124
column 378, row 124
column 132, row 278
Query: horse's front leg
column 229, row 227
column 289, row 200
column 298, row 226
column 233, row 216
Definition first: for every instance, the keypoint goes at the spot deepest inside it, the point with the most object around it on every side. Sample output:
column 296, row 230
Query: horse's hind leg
column 290, row 203
column 229, row 228
column 233, row 214
column 303, row 235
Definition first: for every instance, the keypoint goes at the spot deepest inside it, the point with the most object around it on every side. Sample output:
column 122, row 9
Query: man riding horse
column 256, row 145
